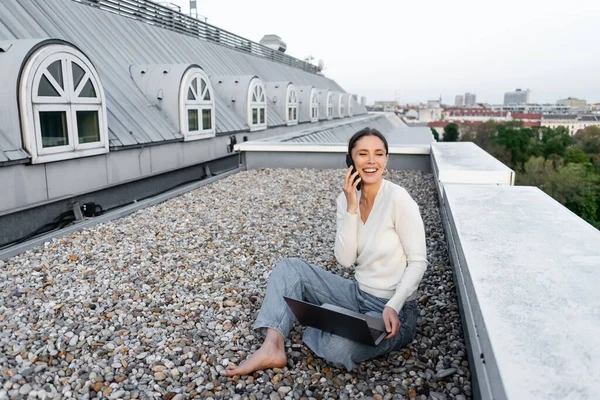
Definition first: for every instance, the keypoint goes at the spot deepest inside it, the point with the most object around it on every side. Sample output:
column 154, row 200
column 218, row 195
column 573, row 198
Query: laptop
column 339, row 321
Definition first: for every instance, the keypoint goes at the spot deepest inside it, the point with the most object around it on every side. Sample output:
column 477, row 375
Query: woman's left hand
column 391, row 321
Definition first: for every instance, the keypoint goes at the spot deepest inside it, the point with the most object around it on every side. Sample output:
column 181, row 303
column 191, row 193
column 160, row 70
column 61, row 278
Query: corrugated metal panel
column 113, row 43
column 341, row 134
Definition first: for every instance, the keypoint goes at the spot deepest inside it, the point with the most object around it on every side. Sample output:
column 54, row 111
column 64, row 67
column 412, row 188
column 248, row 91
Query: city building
column 459, row 100
column 572, row 103
column 568, row 121
column 434, row 103
column 588, row 120
column 427, row 114
column 517, row 97
column 572, row 122
column 532, row 108
column 385, row 105
column 470, row 99
column 474, row 114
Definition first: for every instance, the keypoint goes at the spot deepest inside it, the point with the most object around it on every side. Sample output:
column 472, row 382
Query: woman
column 380, row 229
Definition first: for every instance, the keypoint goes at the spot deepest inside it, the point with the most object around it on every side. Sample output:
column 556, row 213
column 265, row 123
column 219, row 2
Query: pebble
column 162, row 300
column 25, row 389
column 446, row 372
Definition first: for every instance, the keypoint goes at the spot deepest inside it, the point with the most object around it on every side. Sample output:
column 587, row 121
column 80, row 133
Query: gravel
column 156, row 304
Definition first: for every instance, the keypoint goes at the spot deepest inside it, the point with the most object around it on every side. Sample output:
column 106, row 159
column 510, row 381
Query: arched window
column 257, row 105
column 292, row 105
column 314, row 106
column 329, row 105
column 197, row 107
column 63, row 110
column 341, row 106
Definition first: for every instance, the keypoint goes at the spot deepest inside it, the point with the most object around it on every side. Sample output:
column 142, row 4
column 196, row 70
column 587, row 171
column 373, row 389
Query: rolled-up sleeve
column 346, row 241
column 409, row 226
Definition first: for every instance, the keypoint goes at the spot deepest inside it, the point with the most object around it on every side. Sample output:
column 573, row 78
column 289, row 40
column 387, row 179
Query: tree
column 537, row 171
column 484, row 133
column 518, row 141
column 451, row 132
column 589, row 139
column 577, row 187
column 468, row 134
column 556, row 141
column 435, row 134
column 576, row 155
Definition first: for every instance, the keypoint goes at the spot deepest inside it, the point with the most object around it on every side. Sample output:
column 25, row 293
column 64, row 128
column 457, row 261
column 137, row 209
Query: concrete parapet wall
column 526, row 270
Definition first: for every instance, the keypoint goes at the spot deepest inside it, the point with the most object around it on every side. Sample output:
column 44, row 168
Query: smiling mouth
column 369, row 170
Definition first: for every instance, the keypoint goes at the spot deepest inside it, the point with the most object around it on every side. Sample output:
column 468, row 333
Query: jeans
column 297, row 279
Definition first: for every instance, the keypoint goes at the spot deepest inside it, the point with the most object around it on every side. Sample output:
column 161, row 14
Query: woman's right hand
column 350, row 191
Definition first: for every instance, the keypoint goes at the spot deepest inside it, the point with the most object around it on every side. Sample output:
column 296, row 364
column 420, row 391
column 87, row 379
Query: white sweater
column 389, row 250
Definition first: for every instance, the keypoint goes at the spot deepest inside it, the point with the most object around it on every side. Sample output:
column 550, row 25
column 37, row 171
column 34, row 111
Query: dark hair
column 366, row 132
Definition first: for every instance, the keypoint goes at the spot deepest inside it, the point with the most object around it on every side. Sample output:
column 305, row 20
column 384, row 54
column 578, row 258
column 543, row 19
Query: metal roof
column 113, row 43
column 395, row 135
column 559, row 116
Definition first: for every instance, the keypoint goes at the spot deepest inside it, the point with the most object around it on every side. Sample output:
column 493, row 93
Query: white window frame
column 68, row 101
column 198, row 104
column 341, row 106
column 329, row 105
column 314, row 105
column 291, row 102
column 257, row 86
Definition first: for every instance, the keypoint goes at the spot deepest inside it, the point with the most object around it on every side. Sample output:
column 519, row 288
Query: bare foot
column 270, row 355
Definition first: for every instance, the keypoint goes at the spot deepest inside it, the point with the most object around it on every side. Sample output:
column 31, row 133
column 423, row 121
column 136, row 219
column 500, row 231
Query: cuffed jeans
column 295, row 278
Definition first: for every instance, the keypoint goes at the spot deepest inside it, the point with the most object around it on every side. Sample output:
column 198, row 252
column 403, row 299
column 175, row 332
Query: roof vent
column 273, row 42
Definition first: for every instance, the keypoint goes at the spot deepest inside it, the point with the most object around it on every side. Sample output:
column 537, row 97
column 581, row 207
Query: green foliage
column 537, row 171
column 484, row 133
column 577, row 187
column 577, row 156
column 518, row 141
column 556, row 141
column 451, row 133
column 467, row 134
column 436, row 136
column 589, row 140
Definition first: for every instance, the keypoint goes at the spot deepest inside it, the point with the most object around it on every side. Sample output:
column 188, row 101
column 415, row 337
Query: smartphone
column 349, row 163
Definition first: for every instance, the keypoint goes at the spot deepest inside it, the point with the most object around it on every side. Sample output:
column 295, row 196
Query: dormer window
column 257, row 106
column 292, row 105
column 341, row 106
column 314, row 106
column 197, row 118
column 62, row 106
column 329, row 105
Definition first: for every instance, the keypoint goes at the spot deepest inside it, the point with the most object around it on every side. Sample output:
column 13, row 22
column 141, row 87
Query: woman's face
column 370, row 159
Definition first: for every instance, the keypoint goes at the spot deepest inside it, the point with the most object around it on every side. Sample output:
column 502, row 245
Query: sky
column 416, row 51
